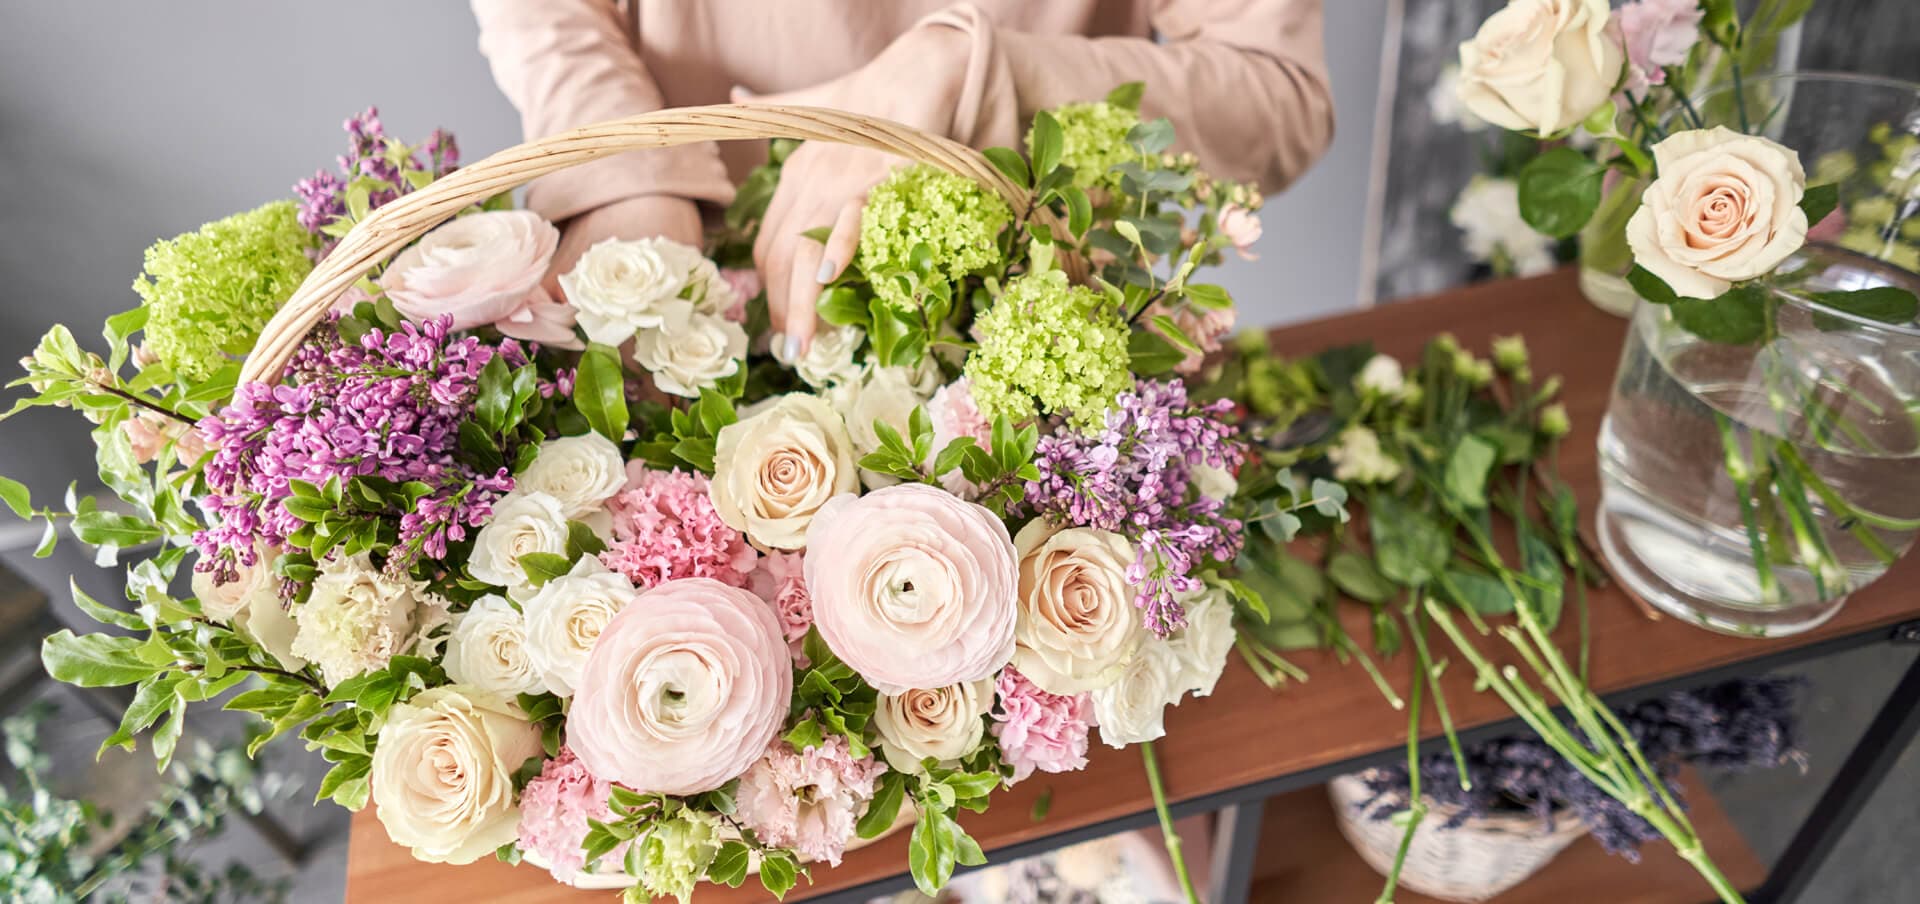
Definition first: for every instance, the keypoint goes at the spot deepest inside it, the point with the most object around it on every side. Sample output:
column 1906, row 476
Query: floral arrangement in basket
column 595, row 579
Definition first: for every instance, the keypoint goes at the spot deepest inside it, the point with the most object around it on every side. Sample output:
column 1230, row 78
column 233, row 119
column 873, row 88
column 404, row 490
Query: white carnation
column 522, row 523
column 579, row 472
column 1133, row 709
column 488, row 649
column 357, row 618
column 687, row 356
column 1488, row 216
column 566, row 616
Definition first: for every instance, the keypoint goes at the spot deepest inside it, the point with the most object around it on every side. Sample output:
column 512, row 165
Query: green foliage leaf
column 1819, row 201
column 1467, row 469
column 95, row 660
column 1127, row 95
column 1651, row 287
column 1009, row 162
column 1079, row 210
column 1737, row 317
column 1152, row 137
column 1045, row 142
column 542, row 567
column 842, row 306
column 885, row 806
column 1149, row 354
column 778, row 873
column 1886, row 304
column 1559, row 191
column 729, row 867
column 1409, row 546
column 600, row 391
column 1480, row 592
column 1542, row 564
column 1356, row 576
column 15, row 495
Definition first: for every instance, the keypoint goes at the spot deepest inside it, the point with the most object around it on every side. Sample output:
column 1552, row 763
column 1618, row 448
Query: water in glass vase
column 1819, row 427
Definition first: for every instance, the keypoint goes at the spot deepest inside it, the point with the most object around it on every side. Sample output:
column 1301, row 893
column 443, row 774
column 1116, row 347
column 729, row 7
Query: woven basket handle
column 391, row 228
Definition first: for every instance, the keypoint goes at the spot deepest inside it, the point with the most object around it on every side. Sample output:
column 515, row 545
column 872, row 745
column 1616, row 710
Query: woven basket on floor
column 387, row 230
column 1471, row 862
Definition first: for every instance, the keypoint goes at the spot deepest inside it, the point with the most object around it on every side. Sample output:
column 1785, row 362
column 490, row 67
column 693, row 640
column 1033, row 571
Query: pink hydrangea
column 665, row 527
column 808, row 800
column 780, row 580
column 1657, row 33
column 954, row 414
column 1038, row 730
column 554, row 809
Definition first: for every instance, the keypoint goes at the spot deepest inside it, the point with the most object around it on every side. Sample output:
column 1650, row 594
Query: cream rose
column 684, row 691
column 488, row 649
column 621, row 287
column 522, row 523
column 579, row 472
column 912, row 587
column 481, row 268
column 946, row 723
column 828, row 360
column 564, row 620
column 686, row 357
column 774, row 469
column 357, row 618
column 1078, row 625
column 1542, row 65
column 442, row 776
column 1133, row 708
column 1200, row 648
column 1725, row 209
column 224, row 602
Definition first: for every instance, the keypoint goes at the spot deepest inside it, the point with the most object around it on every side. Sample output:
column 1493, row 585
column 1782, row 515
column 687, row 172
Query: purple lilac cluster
column 1135, row 477
column 388, row 406
column 1742, row 725
column 323, row 198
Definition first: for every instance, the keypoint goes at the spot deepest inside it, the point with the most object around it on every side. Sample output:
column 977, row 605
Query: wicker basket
column 1472, row 862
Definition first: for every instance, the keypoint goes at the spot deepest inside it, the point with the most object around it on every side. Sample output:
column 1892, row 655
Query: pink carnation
column 554, row 809
column 1038, row 730
column 809, row 799
column 954, row 414
column 1657, row 33
column 780, row 579
column 665, row 527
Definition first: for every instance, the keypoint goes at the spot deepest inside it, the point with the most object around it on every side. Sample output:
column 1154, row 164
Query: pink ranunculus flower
column 954, row 414
column 684, row 690
column 1241, row 226
column 745, row 283
column 1657, row 33
column 544, row 319
column 808, row 800
column 1039, row 731
column 481, row 268
column 781, row 580
column 912, row 586
column 554, row 809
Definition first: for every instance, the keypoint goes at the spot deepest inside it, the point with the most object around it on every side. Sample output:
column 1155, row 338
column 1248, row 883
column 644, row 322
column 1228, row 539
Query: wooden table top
column 1245, row 734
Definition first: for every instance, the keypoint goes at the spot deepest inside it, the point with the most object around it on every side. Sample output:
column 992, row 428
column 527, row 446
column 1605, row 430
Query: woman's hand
column 634, row 218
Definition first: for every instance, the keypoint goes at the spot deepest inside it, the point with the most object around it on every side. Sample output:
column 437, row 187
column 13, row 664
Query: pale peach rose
column 945, row 723
column 1542, row 65
column 481, row 268
column 442, row 775
column 775, row 468
column 1725, row 209
column 684, row 690
column 1078, row 625
column 912, row 586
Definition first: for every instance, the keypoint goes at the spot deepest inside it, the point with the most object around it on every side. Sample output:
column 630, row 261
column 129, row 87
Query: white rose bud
column 687, row 356
column 522, row 523
column 1542, row 65
column 1725, row 209
column 1133, row 708
column 1078, row 626
column 621, row 287
column 774, row 469
column 944, row 723
column 488, row 649
column 567, row 615
column 579, row 472
column 1200, row 648
column 442, row 774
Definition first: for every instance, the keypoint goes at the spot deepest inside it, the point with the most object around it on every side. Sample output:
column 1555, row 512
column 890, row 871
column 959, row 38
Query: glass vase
column 1750, row 488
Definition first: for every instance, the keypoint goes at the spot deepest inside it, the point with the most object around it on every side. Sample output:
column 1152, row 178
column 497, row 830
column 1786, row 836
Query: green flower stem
column 1815, row 553
column 1353, row 649
column 1266, row 675
column 1741, row 473
column 1167, row 834
column 1424, row 659
column 1789, row 455
column 1416, row 805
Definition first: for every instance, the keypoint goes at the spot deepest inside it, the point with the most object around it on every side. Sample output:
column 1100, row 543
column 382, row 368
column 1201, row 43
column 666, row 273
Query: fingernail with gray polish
column 827, row 269
column 792, row 348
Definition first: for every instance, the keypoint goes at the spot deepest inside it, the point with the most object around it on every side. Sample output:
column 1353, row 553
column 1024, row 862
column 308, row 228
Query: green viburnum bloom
column 209, row 292
column 675, row 854
column 924, row 205
column 1052, row 347
column 1093, row 140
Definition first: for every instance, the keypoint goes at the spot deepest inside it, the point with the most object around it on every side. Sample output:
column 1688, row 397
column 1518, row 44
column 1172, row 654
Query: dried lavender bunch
column 1742, row 724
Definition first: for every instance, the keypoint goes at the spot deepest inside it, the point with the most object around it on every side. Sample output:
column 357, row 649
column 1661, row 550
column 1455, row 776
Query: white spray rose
column 567, row 615
column 944, row 723
column 1201, row 647
column 488, row 649
column 687, row 356
column 1725, row 209
column 522, row 523
column 1133, row 708
column 1542, row 65
column 442, row 774
column 1488, row 216
column 357, row 618
column 621, row 287
column 776, row 467
column 828, row 360
column 579, row 472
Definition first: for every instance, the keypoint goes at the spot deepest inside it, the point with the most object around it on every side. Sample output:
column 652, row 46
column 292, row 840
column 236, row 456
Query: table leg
column 1892, row 729
column 1236, row 847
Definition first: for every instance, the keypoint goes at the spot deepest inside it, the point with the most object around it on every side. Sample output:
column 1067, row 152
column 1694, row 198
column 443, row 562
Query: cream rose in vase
column 1725, row 209
column 442, row 774
column 1078, row 625
column 1542, row 65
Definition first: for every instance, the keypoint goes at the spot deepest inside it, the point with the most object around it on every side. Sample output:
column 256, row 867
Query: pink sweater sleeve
column 568, row 63
column 1244, row 81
